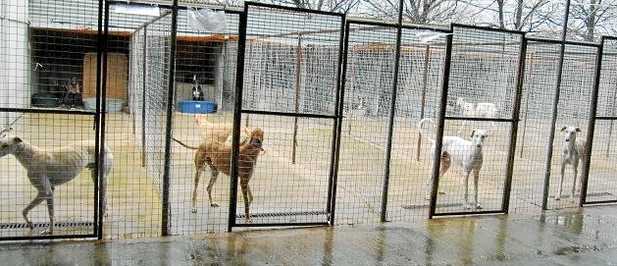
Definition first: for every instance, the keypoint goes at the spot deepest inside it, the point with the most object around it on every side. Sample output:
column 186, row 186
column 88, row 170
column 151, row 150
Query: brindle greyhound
column 217, row 156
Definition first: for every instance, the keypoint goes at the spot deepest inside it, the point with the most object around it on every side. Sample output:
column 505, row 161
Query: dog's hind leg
column 102, row 188
column 214, row 173
column 443, row 169
column 200, row 163
column 49, row 196
column 195, row 185
column 250, row 193
column 50, row 210
column 35, row 202
column 244, row 185
column 445, row 163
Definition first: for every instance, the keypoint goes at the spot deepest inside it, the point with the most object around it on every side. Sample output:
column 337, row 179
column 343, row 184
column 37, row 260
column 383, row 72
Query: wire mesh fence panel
column 366, row 109
column 138, row 52
column 230, row 55
column 602, row 185
column 205, row 76
column 418, row 97
column 290, row 76
column 44, row 83
column 29, row 179
column 476, row 143
column 535, row 125
column 572, row 111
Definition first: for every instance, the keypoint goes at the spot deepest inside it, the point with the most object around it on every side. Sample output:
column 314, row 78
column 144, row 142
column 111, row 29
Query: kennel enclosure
column 339, row 100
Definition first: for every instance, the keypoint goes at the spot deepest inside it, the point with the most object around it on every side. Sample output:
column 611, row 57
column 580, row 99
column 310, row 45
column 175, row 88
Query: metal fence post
column 397, row 60
column 298, row 79
column 440, row 126
column 143, row 99
column 516, row 111
column 610, row 130
column 235, row 151
column 591, row 125
column 103, row 112
column 427, row 54
column 97, row 117
column 169, row 124
column 338, row 121
column 524, row 135
column 549, row 147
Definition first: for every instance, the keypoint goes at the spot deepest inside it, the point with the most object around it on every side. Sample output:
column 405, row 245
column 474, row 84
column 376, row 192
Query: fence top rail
column 46, row 111
column 553, row 41
column 296, row 9
column 181, row 7
column 608, row 37
column 378, row 23
column 485, row 28
column 154, row 20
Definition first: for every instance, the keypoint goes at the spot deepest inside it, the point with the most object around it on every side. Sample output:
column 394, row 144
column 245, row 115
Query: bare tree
column 343, row 6
column 417, row 11
column 527, row 15
column 590, row 17
column 213, row 2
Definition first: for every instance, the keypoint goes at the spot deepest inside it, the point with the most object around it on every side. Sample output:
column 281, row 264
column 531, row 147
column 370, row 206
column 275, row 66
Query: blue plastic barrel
column 197, row 107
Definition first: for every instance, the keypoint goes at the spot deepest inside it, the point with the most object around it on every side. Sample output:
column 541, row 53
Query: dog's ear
column 18, row 140
column 578, row 129
column 472, row 133
column 563, row 128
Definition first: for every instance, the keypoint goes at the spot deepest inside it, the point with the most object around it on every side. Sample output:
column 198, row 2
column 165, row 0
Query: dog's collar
column 261, row 149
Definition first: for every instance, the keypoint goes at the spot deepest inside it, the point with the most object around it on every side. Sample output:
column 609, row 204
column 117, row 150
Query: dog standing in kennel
column 48, row 169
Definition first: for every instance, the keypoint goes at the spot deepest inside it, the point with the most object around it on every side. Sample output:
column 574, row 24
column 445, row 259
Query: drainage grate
column 597, row 194
column 8, row 226
column 423, row 206
column 281, row 214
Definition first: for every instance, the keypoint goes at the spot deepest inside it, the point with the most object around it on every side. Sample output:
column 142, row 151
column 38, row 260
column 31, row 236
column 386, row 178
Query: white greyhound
column 466, row 154
column 481, row 110
column 573, row 152
column 48, row 169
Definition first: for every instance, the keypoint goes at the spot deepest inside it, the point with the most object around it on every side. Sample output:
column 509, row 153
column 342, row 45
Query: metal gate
column 40, row 66
column 288, row 86
column 564, row 66
column 482, row 91
column 379, row 178
column 599, row 181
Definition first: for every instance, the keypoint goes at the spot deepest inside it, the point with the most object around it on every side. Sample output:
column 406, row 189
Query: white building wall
column 15, row 85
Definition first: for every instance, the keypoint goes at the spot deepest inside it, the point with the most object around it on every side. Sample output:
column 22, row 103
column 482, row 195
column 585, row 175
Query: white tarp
column 206, row 20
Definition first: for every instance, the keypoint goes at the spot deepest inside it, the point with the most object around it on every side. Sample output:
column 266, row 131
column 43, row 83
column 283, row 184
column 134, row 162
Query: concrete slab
column 569, row 237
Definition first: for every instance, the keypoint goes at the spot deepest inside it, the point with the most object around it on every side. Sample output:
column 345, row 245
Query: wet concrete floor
column 569, row 237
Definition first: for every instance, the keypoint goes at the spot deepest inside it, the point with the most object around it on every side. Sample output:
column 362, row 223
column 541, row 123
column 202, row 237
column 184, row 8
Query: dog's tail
column 185, row 145
column 421, row 128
